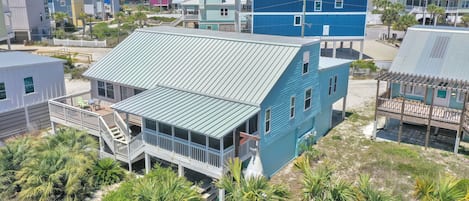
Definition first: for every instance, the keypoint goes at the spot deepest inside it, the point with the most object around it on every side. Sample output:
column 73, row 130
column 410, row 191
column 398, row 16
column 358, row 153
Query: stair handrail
column 133, row 147
column 122, row 125
column 107, row 133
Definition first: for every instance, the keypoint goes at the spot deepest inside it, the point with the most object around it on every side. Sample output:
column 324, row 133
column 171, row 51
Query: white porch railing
column 74, row 117
column 121, row 124
column 105, row 133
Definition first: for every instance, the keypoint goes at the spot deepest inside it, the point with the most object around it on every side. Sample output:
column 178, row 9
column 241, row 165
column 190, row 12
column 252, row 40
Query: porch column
column 189, row 140
column 344, row 104
column 461, row 122
column 375, row 123
column 206, row 149
column 430, row 114
column 351, row 47
column 101, row 147
column 401, row 122
column 221, row 194
column 222, row 149
column 54, row 131
column 180, row 170
column 325, row 45
column 127, row 124
column 237, row 142
column 128, row 139
column 334, row 50
column 147, row 163
column 360, row 56
column 341, row 44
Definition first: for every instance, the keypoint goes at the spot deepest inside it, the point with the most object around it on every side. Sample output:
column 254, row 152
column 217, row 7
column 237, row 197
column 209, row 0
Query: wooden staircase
column 118, row 135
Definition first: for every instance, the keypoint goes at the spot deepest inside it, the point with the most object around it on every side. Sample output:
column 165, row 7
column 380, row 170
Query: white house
column 27, row 81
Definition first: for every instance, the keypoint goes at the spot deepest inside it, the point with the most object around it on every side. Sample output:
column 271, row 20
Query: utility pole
column 303, row 20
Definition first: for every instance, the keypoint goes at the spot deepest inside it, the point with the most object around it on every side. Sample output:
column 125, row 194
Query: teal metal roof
column 429, row 51
column 232, row 66
column 327, row 62
column 208, row 115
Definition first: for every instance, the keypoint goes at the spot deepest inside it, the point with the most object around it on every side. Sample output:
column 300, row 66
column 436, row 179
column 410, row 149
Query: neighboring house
column 161, row 3
column 5, row 22
column 27, row 82
column 430, row 73
column 454, row 9
column 196, row 98
column 72, row 8
column 216, row 15
column 29, row 19
column 331, row 20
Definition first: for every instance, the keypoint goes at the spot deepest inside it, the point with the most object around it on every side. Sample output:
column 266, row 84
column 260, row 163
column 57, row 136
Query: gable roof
column 207, row 115
column 232, row 66
column 17, row 59
column 434, row 51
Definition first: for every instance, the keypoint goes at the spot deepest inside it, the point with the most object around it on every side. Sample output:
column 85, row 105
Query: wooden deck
column 418, row 112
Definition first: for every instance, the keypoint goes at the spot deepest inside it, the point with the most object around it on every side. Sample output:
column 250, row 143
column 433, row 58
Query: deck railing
column 105, row 133
column 419, row 109
column 74, row 116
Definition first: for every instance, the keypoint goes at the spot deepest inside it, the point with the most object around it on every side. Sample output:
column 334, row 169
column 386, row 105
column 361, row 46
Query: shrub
column 107, row 171
column 364, row 64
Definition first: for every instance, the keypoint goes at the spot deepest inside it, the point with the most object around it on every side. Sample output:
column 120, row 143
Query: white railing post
column 189, row 143
column 222, row 149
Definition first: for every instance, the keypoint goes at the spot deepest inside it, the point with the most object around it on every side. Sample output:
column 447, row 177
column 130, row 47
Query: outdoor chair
column 81, row 103
column 97, row 105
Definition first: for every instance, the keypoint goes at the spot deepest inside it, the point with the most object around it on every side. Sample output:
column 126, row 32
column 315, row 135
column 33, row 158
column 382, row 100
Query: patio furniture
column 96, row 105
column 81, row 103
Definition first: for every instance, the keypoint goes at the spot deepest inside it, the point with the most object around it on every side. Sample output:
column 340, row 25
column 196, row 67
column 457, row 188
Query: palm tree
column 391, row 15
column 255, row 188
column 447, row 188
column 60, row 18
column 435, row 12
column 83, row 17
column 12, row 158
column 107, row 171
column 404, row 23
column 367, row 193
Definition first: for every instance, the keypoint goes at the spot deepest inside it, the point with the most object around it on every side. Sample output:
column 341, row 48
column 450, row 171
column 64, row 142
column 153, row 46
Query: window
column 465, row 4
column 292, row 107
column 335, row 83
column 224, row 11
column 308, row 93
column 413, row 90
column 150, row 124
column 305, row 62
column 267, row 120
column 297, row 20
column 181, row 133
column 28, row 85
column 339, row 4
column 105, row 89
column 3, row 93
column 317, row 5
column 441, row 94
column 165, row 129
column 460, row 96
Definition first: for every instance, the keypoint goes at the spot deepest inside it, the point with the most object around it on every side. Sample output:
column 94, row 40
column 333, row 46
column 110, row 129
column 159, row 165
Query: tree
column 255, row 188
column 12, row 157
column 83, row 17
column 391, row 15
column 365, row 192
column 381, row 4
column 447, row 188
column 435, row 12
column 404, row 23
column 107, row 171
column 61, row 17
column 465, row 20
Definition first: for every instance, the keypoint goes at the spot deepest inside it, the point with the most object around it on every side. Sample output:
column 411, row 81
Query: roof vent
column 439, row 47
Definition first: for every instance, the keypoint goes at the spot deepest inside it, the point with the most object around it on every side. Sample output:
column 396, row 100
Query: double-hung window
column 305, row 63
column 318, row 5
column 339, row 4
column 3, row 93
column 292, row 107
column 28, row 85
column 268, row 116
column 105, row 89
column 308, row 94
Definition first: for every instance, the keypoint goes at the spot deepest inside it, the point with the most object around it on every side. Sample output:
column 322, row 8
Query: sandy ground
column 97, row 53
column 76, row 86
column 359, row 93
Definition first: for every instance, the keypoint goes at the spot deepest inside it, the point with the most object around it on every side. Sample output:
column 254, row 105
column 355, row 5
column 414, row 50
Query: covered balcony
column 431, row 101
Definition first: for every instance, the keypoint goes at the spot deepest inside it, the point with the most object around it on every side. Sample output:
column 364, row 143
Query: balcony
column 418, row 112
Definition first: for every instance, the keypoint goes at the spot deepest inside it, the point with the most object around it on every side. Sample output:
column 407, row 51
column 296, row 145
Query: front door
column 442, row 97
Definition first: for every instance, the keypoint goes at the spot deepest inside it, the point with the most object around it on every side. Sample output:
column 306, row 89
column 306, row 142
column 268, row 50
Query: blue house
column 331, row 20
column 218, row 15
column 428, row 81
column 197, row 98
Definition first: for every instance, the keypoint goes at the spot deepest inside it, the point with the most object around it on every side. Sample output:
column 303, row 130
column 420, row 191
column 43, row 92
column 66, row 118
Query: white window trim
column 459, row 96
column 294, row 20
column 305, row 61
column 412, row 93
column 310, row 99
column 292, row 106
column 335, row 4
column 105, row 90
column 265, row 120
column 320, row 7
column 34, row 87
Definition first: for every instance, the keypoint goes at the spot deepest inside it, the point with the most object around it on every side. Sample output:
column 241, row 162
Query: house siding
column 323, row 124
column 297, row 6
column 279, row 145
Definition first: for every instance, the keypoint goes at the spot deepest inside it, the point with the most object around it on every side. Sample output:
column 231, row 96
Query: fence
column 22, row 120
column 78, row 43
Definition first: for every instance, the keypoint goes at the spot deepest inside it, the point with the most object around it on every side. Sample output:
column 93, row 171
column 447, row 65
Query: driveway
column 360, row 92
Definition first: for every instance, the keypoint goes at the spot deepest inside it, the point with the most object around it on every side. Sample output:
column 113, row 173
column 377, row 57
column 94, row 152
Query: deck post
column 222, row 149
column 360, row 56
column 401, row 122
column 237, row 142
column 429, row 125
column 101, row 147
column 147, row 163
column 221, row 194
column 52, row 125
column 334, row 49
column 344, row 104
column 375, row 123
column 206, row 149
column 189, row 138
column 461, row 121
column 180, row 170
column 351, row 47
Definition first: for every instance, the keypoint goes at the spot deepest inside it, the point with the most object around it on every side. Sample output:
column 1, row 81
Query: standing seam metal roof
column 211, row 116
column 440, row 52
column 232, row 66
